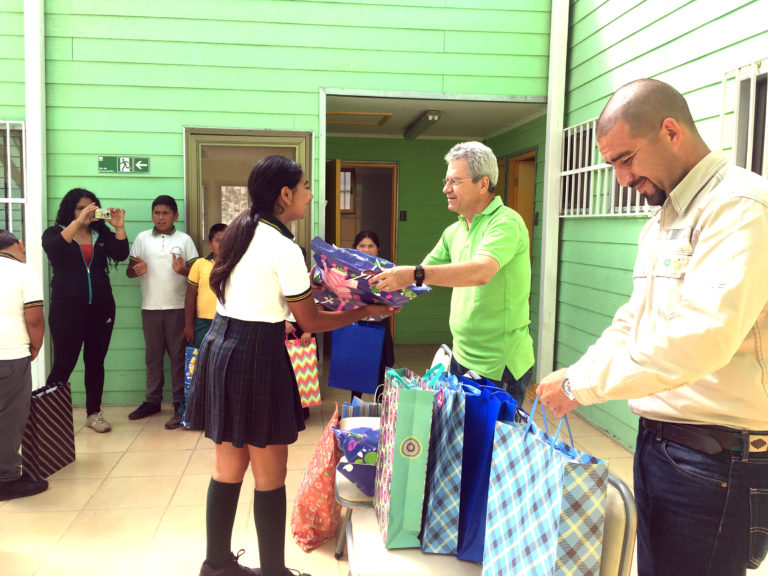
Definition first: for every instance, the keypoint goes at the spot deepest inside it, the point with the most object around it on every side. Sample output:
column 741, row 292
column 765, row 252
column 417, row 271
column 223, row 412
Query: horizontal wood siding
column 125, row 78
column 12, row 60
column 530, row 136
column 690, row 45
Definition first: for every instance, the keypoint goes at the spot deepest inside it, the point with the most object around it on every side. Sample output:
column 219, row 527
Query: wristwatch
column 567, row 388
column 418, row 275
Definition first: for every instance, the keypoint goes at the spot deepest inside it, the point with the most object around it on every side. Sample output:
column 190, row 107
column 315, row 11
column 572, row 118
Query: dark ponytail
column 265, row 182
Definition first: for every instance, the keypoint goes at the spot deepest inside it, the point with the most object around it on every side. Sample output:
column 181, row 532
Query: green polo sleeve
column 504, row 238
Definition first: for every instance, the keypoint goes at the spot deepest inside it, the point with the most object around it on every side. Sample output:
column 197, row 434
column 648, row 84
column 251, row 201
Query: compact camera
column 102, row 214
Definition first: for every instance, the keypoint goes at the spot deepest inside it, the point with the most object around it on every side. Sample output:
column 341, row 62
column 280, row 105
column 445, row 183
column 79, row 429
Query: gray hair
column 480, row 159
column 7, row 239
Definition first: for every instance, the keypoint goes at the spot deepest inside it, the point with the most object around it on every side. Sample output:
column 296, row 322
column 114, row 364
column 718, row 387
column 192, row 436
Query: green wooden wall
column 125, row 78
column 12, row 60
column 689, row 44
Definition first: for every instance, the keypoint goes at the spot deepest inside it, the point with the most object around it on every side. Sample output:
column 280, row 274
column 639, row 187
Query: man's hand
column 136, row 268
column 189, row 333
column 395, row 278
column 178, row 265
column 552, row 396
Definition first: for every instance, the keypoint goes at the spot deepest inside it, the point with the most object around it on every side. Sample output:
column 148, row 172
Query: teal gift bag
column 401, row 468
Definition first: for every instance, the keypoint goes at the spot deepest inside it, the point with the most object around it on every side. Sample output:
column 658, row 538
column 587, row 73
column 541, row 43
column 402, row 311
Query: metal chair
column 620, row 529
column 347, row 494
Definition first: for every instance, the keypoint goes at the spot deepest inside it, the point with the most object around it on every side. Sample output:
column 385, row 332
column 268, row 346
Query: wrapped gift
column 344, row 276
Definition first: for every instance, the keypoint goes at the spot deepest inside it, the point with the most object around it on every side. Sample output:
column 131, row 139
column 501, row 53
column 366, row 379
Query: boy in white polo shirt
column 23, row 326
column 160, row 258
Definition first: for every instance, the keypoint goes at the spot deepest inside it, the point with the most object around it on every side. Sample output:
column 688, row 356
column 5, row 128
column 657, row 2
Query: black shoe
column 146, row 409
column 231, row 568
column 23, row 486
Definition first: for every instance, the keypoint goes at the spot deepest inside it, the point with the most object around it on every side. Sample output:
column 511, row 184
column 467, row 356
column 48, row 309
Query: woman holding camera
column 80, row 248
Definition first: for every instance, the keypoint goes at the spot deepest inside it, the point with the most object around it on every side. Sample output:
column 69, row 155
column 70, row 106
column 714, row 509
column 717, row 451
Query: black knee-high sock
column 219, row 518
column 269, row 516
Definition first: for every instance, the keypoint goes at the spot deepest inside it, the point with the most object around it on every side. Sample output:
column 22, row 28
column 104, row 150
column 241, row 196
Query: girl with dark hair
column 81, row 248
column 368, row 241
column 244, row 393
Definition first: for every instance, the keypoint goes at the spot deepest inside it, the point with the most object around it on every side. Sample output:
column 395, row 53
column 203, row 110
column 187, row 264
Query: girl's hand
column 86, row 215
column 117, row 219
column 306, row 339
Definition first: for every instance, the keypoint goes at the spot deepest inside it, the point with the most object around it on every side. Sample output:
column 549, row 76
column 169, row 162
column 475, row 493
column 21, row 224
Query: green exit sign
column 123, row 164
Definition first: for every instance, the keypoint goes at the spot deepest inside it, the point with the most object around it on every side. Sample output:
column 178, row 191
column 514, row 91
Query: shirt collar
column 693, row 183
column 493, row 205
column 277, row 225
column 156, row 232
column 10, row 256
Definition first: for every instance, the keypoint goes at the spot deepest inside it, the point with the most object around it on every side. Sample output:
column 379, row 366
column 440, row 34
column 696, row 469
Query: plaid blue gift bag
column 440, row 532
column 524, row 502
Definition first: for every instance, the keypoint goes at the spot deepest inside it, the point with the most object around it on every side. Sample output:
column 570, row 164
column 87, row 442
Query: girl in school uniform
column 244, row 394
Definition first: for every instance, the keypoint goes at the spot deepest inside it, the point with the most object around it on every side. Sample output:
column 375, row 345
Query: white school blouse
column 271, row 273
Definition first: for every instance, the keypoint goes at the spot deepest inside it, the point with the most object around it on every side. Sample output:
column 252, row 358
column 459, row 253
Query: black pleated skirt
column 244, row 389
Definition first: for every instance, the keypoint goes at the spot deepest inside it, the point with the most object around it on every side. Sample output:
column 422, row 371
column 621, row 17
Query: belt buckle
column 756, row 442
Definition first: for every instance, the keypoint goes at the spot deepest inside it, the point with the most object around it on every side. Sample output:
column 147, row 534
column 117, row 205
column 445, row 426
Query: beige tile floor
column 134, row 500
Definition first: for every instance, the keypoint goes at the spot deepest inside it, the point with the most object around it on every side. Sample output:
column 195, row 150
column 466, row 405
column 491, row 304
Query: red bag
column 316, row 512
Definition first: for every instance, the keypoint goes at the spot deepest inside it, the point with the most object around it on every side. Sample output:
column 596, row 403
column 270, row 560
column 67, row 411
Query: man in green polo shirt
column 485, row 258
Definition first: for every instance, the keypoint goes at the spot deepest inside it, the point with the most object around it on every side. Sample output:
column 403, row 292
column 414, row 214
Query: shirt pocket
column 668, row 273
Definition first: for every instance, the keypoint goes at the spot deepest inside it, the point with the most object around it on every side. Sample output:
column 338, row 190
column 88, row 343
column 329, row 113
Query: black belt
column 704, row 439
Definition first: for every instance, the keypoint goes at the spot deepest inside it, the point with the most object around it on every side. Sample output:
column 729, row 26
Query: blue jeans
column 699, row 514
column 515, row 387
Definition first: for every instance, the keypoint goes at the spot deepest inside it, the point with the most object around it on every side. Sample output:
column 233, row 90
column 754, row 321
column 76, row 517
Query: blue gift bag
column 481, row 414
column 356, row 357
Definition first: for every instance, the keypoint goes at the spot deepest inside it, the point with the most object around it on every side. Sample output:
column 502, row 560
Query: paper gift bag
column 304, row 362
column 524, row 499
column 440, row 533
column 190, row 363
column 582, row 512
column 401, row 468
column 316, row 512
column 359, row 407
column 481, row 414
column 356, row 357
column 49, row 438
column 344, row 275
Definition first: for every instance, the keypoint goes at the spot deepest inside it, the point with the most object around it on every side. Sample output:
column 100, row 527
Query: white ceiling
column 459, row 119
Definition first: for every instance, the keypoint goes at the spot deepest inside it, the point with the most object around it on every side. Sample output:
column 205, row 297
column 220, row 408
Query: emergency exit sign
column 124, row 164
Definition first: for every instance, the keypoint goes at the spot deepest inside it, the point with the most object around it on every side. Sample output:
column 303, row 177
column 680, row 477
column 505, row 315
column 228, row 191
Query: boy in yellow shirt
column 200, row 301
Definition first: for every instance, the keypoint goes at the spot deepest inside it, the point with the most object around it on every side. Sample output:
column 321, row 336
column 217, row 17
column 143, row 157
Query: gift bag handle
column 405, row 383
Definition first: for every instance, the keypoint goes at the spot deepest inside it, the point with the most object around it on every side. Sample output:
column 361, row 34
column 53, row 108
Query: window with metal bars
column 744, row 104
column 12, row 192
column 588, row 185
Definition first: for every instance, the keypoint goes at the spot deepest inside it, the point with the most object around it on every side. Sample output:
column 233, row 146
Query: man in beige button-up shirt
column 690, row 348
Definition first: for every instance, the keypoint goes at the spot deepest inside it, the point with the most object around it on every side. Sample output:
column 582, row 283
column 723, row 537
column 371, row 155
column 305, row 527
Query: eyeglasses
column 453, row 181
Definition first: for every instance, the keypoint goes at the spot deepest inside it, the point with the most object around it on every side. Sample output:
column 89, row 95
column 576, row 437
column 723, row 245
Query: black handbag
column 49, row 438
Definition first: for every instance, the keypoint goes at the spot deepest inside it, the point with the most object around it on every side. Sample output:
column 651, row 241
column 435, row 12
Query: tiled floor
column 134, row 500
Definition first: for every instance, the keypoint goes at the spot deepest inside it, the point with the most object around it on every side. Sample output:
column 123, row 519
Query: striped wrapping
column 49, row 438
column 304, row 362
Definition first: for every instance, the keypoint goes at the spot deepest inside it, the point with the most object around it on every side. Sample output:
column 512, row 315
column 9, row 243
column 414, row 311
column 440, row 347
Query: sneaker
column 231, row 568
column 174, row 422
column 96, row 422
column 146, row 409
column 23, row 486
